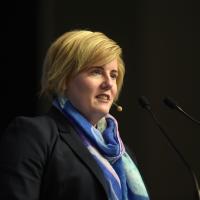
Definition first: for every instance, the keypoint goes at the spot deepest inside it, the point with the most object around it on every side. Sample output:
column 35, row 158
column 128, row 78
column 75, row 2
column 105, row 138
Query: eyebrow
column 115, row 71
column 101, row 67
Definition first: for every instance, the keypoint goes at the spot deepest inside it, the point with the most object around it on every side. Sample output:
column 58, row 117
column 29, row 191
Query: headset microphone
column 119, row 108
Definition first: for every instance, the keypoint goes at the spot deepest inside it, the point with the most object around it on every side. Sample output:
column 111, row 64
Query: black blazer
column 43, row 158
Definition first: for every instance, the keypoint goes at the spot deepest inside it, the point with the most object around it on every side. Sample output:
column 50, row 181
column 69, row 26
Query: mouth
column 103, row 98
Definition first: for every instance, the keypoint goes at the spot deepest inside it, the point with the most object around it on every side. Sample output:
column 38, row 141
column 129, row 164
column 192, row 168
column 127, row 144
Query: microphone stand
column 187, row 115
column 171, row 104
column 145, row 104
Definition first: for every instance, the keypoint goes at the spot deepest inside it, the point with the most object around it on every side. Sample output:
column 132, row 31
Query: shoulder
column 39, row 126
column 42, row 124
column 25, row 147
column 40, row 131
column 31, row 134
column 28, row 141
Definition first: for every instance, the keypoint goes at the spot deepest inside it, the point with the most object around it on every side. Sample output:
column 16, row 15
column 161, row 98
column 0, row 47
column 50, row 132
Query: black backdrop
column 161, row 46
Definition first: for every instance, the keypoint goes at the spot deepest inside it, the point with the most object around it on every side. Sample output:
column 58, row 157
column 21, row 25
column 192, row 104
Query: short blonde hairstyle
column 73, row 52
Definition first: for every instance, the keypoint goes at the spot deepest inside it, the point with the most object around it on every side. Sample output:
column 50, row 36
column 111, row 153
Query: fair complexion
column 93, row 90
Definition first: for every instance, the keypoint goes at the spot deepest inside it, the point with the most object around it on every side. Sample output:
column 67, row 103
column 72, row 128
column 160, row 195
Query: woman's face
column 93, row 90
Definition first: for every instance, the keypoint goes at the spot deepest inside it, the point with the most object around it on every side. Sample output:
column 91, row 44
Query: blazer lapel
column 70, row 136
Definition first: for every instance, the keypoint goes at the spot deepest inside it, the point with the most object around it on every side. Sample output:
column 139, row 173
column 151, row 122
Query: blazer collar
column 69, row 135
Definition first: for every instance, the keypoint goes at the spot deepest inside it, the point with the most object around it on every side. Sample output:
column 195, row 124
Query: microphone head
column 144, row 102
column 119, row 108
column 170, row 103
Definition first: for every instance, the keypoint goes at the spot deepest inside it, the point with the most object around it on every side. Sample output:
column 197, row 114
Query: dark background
column 161, row 46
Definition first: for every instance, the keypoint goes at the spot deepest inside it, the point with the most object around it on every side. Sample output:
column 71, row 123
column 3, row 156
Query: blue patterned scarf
column 122, row 176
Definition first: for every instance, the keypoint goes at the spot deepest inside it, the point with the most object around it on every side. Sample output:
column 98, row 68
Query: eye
column 96, row 71
column 114, row 75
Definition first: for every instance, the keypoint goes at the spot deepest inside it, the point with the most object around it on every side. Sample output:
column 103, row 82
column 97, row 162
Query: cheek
column 84, row 88
column 114, row 91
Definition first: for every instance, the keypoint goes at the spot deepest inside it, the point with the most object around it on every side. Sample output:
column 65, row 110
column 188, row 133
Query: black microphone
column 173, row 105
column 144, row 103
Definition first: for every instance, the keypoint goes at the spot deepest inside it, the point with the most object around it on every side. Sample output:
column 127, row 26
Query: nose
column 107, row 83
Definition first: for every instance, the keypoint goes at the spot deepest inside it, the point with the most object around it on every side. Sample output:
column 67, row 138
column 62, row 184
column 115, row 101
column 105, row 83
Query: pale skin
column 93, row 90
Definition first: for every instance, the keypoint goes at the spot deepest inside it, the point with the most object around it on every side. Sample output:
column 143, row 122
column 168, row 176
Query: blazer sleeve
column 23, row 152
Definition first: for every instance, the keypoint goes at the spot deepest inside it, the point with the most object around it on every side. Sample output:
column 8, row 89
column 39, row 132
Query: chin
column 103, row 111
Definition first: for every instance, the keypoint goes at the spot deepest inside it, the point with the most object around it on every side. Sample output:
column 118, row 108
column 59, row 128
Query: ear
column 64, row 88
column 64, row 85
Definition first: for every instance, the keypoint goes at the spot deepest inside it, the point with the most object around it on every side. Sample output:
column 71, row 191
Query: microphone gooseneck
column 144, row 103
column 169, row 102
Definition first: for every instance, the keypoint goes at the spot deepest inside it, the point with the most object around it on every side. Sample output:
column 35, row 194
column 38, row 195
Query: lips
column 103, row 97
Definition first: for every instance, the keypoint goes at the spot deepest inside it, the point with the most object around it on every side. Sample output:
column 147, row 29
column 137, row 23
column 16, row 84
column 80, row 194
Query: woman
column 75, row 150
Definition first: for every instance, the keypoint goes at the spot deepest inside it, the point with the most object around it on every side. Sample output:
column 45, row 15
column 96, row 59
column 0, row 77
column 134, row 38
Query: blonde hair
column 74, row 51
